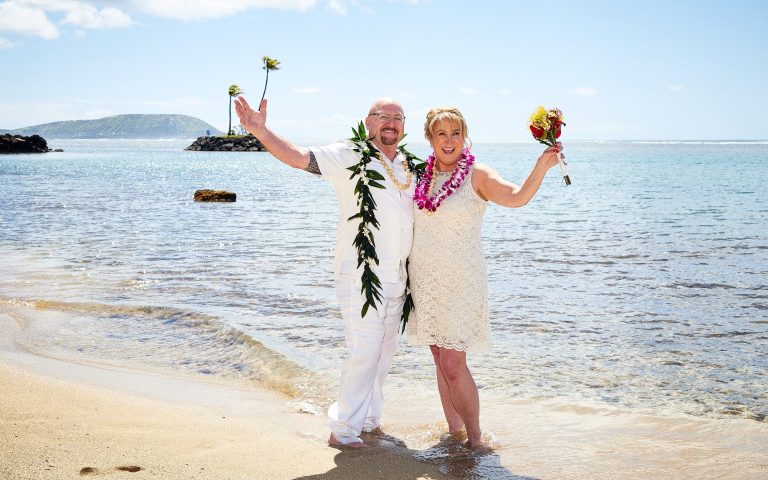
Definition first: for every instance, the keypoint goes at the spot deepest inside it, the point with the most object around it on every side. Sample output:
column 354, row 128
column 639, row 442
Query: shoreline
column 67, row 420
column 62, row 419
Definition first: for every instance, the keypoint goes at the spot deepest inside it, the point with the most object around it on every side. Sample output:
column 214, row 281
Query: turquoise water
column 643, row 286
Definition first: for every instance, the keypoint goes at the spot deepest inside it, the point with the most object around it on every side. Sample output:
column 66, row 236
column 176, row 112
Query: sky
column 646, row 70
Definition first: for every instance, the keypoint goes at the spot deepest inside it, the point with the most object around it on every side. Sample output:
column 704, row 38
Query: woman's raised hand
column 551, row 156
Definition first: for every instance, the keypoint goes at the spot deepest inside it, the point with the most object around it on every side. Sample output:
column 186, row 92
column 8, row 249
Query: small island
column 227, row 143
column 232, row 142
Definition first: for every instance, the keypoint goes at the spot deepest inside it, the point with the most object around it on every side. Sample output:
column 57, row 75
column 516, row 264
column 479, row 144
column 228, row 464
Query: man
column 371, row 334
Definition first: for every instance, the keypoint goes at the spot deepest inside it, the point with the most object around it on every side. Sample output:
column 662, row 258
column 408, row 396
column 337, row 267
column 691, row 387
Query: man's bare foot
column 335, row 443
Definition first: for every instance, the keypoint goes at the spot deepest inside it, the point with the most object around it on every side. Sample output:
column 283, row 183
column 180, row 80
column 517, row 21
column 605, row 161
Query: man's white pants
column 371, row 343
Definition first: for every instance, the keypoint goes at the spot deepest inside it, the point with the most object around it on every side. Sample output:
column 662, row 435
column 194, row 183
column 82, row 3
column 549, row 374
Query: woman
column 447, row 265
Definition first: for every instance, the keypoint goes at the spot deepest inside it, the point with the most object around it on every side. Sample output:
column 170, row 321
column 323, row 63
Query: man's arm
column 288, row 153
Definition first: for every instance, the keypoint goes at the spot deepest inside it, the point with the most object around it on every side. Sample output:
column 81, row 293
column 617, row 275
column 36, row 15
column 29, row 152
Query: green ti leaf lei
column 364, row 240
column 417, row 166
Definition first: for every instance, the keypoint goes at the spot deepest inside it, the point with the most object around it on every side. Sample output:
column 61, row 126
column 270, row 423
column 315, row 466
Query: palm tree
column 269, row 64
column 234, row 91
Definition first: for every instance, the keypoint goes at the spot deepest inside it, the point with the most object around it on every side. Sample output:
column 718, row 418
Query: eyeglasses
column 384, row 118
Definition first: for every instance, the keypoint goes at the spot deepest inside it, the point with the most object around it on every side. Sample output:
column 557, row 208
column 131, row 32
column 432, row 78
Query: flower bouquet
column 545, row 125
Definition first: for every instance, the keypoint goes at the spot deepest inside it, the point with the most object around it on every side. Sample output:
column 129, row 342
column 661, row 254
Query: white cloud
column 505, row 91
column 31, row 17
column 583, row 91
column 202, row 9
column 87, row 16
column 467, row 91
column 20, row 19
column 675, row 88
column 337, row 7
column 306, row 90
column 34, row 17
column 5, row 43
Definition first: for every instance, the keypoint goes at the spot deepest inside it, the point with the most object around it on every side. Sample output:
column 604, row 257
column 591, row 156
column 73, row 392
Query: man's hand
column 251, row 120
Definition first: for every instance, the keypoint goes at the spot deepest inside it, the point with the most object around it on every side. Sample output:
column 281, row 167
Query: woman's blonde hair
column 450, row 114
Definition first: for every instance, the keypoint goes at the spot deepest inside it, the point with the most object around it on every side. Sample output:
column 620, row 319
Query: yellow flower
column 539, row 118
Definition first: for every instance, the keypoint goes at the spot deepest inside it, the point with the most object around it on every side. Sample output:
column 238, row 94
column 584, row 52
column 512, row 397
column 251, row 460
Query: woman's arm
column 490, row 186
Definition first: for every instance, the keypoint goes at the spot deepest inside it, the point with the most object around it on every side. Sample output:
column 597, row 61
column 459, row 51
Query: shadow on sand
column 389, row 458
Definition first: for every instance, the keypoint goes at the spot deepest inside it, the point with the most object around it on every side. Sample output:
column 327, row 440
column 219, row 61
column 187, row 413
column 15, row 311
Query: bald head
column 385, row 103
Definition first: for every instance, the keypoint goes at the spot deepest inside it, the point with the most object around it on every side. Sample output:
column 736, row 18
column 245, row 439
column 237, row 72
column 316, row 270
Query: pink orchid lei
column 422, row 194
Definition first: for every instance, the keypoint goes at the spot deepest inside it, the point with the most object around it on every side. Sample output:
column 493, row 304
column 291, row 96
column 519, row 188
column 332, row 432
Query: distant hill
column 123, row 126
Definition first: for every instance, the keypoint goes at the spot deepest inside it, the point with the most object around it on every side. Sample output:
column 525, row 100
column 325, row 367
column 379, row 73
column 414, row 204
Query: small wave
column 165, row 338
column 702, row 285
column 742, row 411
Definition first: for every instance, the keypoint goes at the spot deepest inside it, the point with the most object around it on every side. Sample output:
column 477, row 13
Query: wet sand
column 61, row 420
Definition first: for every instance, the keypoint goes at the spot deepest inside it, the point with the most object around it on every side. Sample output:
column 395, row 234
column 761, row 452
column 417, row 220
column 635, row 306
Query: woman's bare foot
column 335, row 443
column 476, row 445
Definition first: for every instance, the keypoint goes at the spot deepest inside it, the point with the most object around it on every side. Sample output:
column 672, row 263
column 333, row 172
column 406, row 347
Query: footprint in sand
column 130, row 468
column 91, row 471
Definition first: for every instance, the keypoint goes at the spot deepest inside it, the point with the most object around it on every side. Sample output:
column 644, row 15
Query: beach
column 69, row 420
column 142, row 329
column 65, row 420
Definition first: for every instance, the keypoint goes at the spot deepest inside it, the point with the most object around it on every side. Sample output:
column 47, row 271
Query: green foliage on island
column 123, row 126
column 234, row 91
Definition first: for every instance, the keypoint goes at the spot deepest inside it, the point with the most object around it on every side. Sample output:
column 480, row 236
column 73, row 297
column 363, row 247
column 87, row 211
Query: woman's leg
column 463, row 392
column 455, row 423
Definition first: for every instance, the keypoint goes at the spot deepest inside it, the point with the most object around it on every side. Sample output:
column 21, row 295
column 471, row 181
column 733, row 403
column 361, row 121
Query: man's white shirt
column 394, row 212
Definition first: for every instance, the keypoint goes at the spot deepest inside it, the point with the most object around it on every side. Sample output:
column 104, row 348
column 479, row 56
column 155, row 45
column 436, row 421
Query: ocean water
column 642, row 287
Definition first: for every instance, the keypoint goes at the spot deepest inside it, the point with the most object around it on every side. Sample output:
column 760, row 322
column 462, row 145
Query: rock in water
column 247, row 143
column 215, row 196
column 21, row 144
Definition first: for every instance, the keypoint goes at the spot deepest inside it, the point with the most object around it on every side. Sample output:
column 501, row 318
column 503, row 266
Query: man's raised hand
column 251, row 120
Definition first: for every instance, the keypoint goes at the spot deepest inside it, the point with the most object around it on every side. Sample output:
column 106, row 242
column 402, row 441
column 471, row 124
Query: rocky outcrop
column 21, row 144
column 214, row 196
column 247, row 143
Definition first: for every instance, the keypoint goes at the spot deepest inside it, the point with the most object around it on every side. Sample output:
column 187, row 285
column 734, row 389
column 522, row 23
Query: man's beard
column 389, row 140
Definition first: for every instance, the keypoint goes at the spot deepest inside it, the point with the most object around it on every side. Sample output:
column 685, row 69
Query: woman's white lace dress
column 447, row 273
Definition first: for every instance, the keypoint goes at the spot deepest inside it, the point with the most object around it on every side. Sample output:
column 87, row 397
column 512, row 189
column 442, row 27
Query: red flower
column 537, row 132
